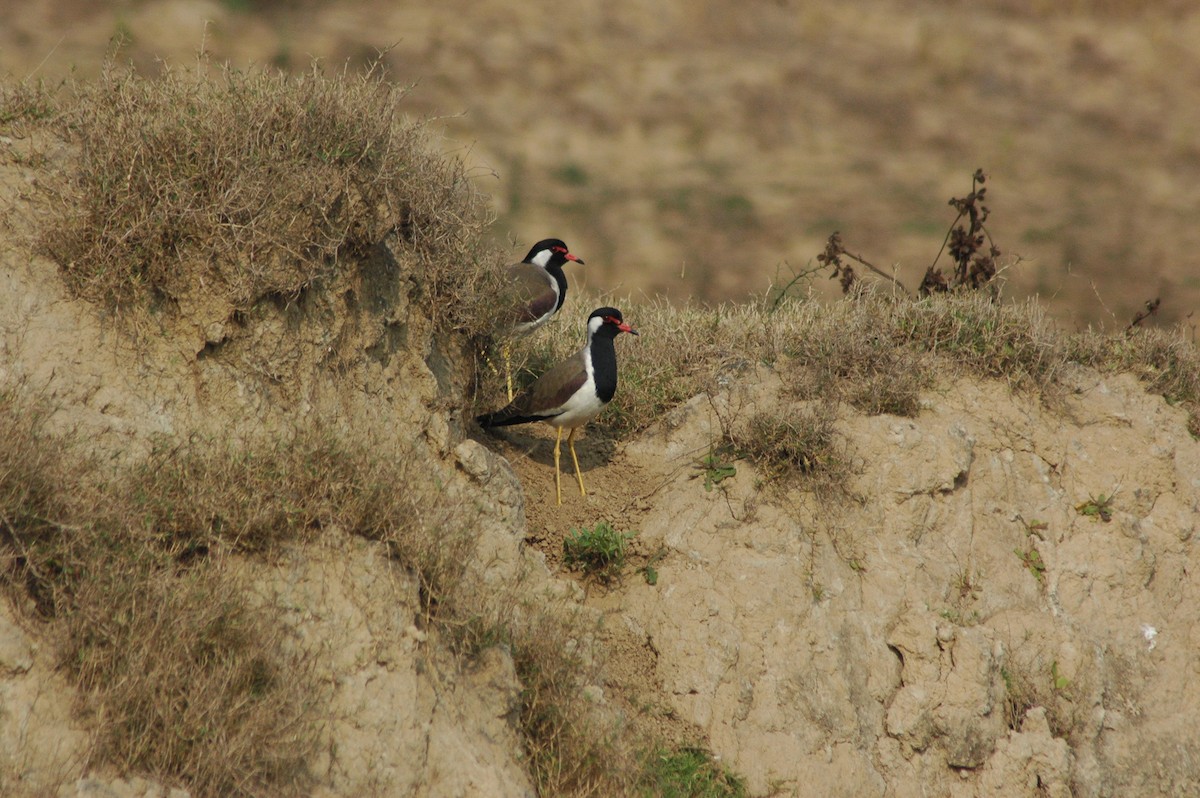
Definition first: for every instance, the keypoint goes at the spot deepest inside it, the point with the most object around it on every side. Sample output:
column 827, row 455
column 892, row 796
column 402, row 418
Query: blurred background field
column 705, row 150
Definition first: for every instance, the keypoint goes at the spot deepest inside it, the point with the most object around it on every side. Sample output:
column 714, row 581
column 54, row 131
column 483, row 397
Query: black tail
column 505, row 417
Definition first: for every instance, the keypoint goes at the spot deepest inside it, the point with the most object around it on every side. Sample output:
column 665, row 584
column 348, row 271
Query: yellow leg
column 504, row 352
column 578, row 474
column 491, row 364
column 557, row 478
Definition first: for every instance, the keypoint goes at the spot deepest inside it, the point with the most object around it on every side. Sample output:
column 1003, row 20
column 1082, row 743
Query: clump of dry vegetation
column 802, row 442
column 187, row 679
column 245, row 185
column 872, row 351
column 23, row 104
column 573, row 748
column 971, row 247
column 573, row 745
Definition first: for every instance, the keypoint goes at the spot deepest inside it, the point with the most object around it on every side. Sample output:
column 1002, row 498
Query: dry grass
column 188, row 681
column 186, row 678
column 250, row 185
column 1167, row 361
column 1032, row 679
column 182, row 673
column 573, row 745
column 794, row 441
column 871, row 351
column 250, row 498
column 574, row 748
column 24, row 104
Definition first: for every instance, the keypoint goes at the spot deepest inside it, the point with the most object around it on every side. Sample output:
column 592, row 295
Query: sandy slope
column 891, row 640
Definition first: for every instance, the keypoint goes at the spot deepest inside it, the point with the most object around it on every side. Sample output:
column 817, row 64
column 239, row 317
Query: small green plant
column 964, row 590
column 599, row 551
column 689, row 773
column 1060, row 682
column 648, row 570
column 956, row 617
column 716, row 469
column 966, row 585
column 1019, row 696
column 1097, row 507
column 1031, row 558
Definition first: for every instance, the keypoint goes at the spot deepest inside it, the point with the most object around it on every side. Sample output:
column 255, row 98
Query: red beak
column 569, row 256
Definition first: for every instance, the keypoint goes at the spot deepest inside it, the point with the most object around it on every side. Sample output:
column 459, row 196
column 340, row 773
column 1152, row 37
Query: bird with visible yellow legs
column 571, row 393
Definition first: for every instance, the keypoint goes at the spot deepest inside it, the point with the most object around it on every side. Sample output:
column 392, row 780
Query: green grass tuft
column 598, row 551
column 689, row 773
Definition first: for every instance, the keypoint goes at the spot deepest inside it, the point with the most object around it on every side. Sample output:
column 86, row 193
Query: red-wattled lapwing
column 573, row 392
column 538, row 289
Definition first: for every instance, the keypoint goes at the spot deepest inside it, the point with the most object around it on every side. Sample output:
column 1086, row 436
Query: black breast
column 556, row 272
column 604, row 367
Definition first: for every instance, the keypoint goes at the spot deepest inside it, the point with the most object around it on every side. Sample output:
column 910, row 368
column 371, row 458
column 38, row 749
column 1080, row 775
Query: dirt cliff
column 995, row 600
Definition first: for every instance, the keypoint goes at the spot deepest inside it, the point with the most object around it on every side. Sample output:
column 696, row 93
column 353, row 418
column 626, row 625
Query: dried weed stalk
column 974, row 263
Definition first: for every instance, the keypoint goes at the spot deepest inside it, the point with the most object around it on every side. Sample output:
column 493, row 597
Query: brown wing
column 551, row 390
column 532, row 292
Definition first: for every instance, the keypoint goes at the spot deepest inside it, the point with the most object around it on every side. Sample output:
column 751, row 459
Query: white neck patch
column 542, row 258
column 594, row 326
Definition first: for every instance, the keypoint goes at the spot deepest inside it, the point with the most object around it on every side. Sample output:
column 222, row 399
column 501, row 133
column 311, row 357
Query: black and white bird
column 573, row 392
column 538, row 288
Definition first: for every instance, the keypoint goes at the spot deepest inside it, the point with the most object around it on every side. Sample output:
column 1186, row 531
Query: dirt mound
column 395, row 711
column 989, row 597
column 997, row 604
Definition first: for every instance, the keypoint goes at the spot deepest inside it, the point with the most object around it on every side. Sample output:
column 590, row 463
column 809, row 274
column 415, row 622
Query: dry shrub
column 796, row 441
column 186, row 679
column 256, row 184
column 574, row 747
column 33, row 505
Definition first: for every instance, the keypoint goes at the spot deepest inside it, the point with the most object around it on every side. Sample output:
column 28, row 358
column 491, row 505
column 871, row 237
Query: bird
column 571, row 393
column 538, row 288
